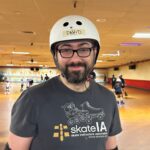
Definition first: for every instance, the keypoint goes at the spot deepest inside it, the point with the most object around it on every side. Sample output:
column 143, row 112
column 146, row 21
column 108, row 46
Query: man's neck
column 75, row 87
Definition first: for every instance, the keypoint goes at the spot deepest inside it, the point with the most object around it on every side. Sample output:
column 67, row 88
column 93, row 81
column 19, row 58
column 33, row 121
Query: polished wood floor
column 135, row 117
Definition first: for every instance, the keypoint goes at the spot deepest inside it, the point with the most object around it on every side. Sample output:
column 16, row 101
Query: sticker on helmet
column 73, row 32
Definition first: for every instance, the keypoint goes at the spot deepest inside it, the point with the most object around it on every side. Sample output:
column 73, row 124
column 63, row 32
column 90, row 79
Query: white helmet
column 118, row 80
column 120, row 75
column 73, row 28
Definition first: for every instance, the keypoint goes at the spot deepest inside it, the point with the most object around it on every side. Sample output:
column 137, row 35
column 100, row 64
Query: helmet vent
column 66, row 24
column 79, row 23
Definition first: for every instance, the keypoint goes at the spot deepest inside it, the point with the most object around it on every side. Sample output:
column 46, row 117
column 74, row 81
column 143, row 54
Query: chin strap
column 7, row 147
column 116, row 148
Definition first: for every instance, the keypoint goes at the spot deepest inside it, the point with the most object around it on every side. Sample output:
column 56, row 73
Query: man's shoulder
column 103, row 90
column 101, row 87
column 43, row 87
column 40, row 93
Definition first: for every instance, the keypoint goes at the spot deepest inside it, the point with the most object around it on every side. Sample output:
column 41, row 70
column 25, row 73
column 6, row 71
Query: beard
column 76, row 77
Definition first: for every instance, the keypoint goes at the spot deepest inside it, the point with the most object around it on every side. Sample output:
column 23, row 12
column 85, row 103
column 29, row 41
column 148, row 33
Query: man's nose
column 75, row 56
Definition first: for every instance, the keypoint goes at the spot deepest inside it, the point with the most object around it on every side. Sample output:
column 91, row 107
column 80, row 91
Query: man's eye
column 84, row 49
column 66, row 51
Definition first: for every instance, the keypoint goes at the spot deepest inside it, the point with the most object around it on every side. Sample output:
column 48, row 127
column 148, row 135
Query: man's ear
column 55, row 56
column 95, row 52
column 56, row 59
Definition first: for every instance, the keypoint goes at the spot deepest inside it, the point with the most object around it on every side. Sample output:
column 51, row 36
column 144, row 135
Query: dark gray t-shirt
column 61, row 119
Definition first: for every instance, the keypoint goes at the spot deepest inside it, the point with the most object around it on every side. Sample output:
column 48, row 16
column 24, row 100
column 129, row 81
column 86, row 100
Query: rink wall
column 138, row 77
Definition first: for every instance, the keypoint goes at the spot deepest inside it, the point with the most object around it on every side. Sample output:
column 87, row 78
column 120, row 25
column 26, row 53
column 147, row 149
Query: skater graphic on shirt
column 86, row 114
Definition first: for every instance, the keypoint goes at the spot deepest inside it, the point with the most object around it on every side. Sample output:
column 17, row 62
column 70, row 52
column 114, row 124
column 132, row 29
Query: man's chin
column 75, row 81
column 76, row 78
column 72, row 71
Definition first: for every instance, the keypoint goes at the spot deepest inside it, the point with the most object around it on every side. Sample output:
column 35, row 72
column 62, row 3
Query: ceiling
column 25, row 26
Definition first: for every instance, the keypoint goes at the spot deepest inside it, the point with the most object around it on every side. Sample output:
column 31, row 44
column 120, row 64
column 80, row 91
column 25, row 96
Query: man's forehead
column 75, row 43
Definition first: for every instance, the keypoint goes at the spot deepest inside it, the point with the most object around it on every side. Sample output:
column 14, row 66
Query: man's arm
column 111, row 143
column 19, row 143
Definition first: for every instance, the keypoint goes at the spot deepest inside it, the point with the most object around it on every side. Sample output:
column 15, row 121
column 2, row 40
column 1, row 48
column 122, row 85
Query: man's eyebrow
column 69, row 45
column 64, row 44
column 82, row 44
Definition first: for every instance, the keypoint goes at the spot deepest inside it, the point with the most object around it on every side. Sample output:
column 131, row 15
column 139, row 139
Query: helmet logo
column 73, row 32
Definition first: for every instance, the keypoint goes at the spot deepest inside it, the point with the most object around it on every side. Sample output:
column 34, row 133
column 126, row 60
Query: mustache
column 76, row 64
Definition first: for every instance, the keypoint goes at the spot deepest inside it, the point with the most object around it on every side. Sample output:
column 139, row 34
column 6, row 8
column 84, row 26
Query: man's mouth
column 76, row 68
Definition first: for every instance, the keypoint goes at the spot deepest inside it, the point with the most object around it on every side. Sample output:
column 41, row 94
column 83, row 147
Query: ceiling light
column 46, row 66
column 17, row 12
column 21, row 53
column 130, row 44
column 101, row 20
column 141, row 35
column 99, row 61
column 114, row 54
column 9, row 64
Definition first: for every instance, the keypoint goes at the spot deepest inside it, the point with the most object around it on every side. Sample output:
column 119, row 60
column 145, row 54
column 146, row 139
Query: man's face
column 75, row 68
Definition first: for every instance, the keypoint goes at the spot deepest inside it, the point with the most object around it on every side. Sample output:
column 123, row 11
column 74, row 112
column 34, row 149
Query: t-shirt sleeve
column 24, row 116
column 115, row 127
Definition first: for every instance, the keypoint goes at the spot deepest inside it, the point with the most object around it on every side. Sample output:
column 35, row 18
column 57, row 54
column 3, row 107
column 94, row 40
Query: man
column 67, row 111
column 46, row 77
column 113, row 81
column 119, row 92
column 22, row 85
column 7, row 89
column 92, row 76
column 123, row 84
